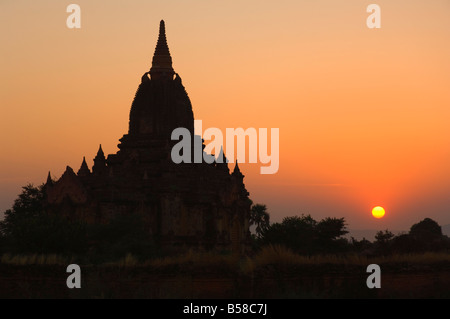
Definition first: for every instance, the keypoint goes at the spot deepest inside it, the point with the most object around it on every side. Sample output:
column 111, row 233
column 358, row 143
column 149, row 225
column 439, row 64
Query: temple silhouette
column 188, row 205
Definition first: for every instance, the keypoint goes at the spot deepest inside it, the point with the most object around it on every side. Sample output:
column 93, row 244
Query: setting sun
column 378, row 212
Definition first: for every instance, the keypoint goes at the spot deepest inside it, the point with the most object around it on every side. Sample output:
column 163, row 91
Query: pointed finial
column 49, row 179
column 162, row 61
column 237, row 171
column 222, row 161
column 161, row 45
column 100, row 155
column 68, row 171
column 84, row 169
column 100, row 151
column 236, row 168
column 221, row 158
column 99, row 162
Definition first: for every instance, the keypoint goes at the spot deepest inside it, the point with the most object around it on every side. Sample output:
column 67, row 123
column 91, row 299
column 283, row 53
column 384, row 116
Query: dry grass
column 270, row 255
column 189, row 260
column 423, row 258
column 128, row 261
column 34, row 259
column 282, row 256
column 197, row 259
column 279, row 255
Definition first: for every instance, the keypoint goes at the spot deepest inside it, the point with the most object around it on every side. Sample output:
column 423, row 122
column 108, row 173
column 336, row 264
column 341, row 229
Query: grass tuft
column 34, row 259
column 269, row 255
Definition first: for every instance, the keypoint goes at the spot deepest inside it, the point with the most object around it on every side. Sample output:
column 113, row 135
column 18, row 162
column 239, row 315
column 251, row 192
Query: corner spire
column 222, row 159
column 49, row 180
column 162, row 61
column 236, row 168
column 99, row 167
column 100, row 153
column 237, row 172
column 84, row 169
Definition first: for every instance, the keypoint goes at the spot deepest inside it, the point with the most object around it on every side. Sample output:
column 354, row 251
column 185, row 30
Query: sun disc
column 378, row 212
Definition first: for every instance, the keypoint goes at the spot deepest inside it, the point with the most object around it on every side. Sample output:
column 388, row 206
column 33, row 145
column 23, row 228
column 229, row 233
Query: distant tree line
column 28, row 229
column 304, row 235
column 424, row 236
column 301, row 234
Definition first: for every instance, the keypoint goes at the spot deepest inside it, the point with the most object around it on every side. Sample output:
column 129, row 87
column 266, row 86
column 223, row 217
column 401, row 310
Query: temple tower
column 161, row 103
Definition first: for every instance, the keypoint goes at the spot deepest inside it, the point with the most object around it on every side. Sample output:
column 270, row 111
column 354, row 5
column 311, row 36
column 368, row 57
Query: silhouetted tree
column 28, row 229
column 28, row 205
column 294, row 232
column 328, row 231
column 424, row 236
column 260, row 218
column 383, row 242
column 331, row 228
column 383, row 237
column 305, row 235
column 404, row 244
column 363, row 246
column 426, row 229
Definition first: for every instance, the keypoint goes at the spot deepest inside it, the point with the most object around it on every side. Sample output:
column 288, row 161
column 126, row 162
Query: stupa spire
column 49, row 180
column 237, row 172
column 162, row 61
column 99, row 162
column 222, row 159
column 84, row 169
column 100, row 154
column 236, row 168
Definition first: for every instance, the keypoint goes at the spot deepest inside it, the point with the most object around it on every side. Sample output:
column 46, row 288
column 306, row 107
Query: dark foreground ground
column 307, row 281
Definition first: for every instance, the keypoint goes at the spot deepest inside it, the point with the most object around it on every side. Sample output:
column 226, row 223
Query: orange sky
column 363, row 113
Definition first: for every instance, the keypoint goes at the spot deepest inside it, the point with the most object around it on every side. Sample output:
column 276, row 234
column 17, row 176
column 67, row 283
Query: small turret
column 145, row 77
column 84, row 169
column 238, row 178
column 237, row 172
column 99, row 167
column 222, row 161
column 68, row 172
column 49, row 180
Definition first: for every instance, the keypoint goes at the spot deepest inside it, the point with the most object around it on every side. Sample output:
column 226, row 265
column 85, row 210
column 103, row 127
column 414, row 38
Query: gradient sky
column 363, row 113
